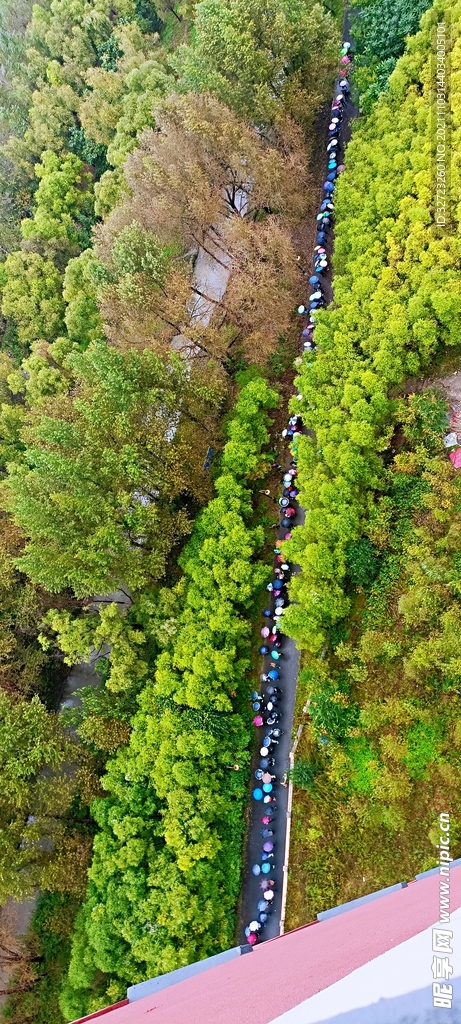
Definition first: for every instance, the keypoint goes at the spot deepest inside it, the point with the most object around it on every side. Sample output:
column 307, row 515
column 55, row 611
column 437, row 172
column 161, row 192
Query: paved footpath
column 288, row 667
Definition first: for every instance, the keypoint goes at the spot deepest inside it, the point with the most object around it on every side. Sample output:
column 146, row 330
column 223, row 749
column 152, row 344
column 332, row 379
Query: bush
column 303, row 773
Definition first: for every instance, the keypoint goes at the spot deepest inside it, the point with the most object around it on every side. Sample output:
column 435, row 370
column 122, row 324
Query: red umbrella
column 258, row 720
column 252, row 939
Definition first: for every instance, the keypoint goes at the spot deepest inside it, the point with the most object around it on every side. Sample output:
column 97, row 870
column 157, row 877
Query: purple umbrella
column 265, row 631
column 268, row 847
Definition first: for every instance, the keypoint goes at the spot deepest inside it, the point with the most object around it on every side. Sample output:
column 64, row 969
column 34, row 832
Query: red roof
column 281, row 973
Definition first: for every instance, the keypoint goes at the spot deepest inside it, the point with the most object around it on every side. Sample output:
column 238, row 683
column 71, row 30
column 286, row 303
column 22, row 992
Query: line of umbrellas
column 325, row 215
column 266, row 706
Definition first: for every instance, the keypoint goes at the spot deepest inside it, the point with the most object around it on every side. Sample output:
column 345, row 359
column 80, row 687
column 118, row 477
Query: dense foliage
column 165, row 874
column 378, row 596
column 380, row 28
column 397, row 304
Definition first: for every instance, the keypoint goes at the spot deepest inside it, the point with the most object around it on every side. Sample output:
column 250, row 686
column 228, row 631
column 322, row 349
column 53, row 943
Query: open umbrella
column 259, row 774
column 266, row 777
column 263, row 649
column 261, row 906
column 268, row 847
column 269, row 895
column 265, row 819
column 263, row 918
column 265, row 631
column 264, row 751
column 266, row 867
column 273, row 674
column 256, row 870
column 267, row 787
column 256, row 705
column 278, row 585
column 257, row 794
column 252, row 939
column 258, row 720
column 254, row 926
column 264, row 762
column 275, row 654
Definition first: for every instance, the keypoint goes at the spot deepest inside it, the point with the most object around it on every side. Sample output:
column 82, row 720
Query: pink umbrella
column 455, row 458
column 252, row 939
column 265, row 631
column 345, row 60
column 268, row 847
column 341, row 168
column 267, row 777
column 265, row 819
column 258, row 720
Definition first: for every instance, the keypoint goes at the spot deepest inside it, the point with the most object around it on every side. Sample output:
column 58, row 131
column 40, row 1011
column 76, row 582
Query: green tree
column 64, row 206
column 262, row 61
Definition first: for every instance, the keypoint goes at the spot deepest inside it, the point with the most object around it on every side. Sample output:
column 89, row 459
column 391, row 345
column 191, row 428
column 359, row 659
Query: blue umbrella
column 263, row 917
column 314, row 279
column 275, row 655
column 262, row 905
column 256, row 705
column 259, row 774
column 254, row 695
column 256, row 870
column 268, row 787
column 278, row 584
column 264, row 762
column 273, row 674
column 263, row 649
column 266, row 743
column 266, row 867
column 267, row 613
column 257, row 794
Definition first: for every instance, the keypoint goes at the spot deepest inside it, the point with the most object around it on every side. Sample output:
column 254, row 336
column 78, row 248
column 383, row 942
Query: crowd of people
column 268, row 703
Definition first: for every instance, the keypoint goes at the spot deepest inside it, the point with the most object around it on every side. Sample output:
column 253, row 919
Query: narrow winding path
column 288, row 668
